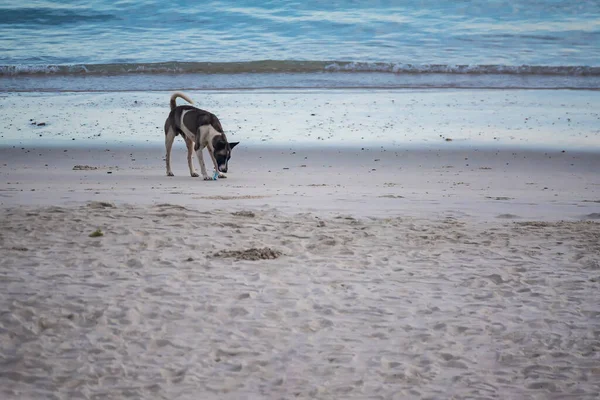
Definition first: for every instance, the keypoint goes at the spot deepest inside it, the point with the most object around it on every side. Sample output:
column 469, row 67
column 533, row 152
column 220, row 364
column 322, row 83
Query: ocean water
column 229, row 43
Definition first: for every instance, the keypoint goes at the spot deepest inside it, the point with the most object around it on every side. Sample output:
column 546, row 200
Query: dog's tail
column 175, row 95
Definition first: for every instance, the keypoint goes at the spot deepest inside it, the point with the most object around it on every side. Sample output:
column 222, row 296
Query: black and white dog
column 199, row 129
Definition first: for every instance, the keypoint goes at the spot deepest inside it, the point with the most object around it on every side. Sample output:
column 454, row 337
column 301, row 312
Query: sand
column 351, row 308
column 312, row 271
column 433, row 182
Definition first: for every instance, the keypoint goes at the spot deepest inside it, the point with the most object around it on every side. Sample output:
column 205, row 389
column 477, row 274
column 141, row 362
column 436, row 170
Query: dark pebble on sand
column 109, row 172
column 41, row 124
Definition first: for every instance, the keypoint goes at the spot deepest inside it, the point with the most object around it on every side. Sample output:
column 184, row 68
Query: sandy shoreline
column 555, row 119
column 377, row 182
column 395, row 269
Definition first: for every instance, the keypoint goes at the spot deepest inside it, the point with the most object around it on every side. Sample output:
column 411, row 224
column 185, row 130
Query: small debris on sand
column 96, row 233
column 252, row 254
column 507, row 216
column 248, row 214
column 101, row 204
column 84, row 168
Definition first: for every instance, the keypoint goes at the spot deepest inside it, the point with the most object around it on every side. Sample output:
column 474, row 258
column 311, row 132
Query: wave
column 49, row 16
column 291, row 66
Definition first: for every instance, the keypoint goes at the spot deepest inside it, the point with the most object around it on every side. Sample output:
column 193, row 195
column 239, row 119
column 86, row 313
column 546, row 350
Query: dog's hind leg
column 190, row 150
column 169, row 138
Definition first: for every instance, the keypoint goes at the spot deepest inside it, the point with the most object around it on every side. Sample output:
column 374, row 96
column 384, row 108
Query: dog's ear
column 232, row 145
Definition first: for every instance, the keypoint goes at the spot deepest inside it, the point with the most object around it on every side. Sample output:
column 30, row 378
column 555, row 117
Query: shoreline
column 483, row 185
column 479, row 153
column 564, row 120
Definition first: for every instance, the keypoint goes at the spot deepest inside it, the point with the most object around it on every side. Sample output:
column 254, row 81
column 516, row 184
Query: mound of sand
column 252, row 254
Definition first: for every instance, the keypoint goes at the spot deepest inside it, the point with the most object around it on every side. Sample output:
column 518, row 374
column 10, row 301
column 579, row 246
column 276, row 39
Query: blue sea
column 160, row 45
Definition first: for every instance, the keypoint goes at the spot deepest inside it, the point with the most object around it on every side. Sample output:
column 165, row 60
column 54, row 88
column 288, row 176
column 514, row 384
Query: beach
column 412, row 211
column 365, row 244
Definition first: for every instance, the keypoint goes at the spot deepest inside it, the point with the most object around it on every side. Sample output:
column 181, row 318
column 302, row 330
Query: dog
column 199, row 129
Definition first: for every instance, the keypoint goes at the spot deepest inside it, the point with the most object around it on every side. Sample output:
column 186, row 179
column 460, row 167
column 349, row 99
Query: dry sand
column 399, row 307
column 311, row 272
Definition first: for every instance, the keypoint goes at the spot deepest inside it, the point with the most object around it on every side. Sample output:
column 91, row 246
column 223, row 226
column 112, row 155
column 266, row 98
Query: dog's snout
column 223, row 168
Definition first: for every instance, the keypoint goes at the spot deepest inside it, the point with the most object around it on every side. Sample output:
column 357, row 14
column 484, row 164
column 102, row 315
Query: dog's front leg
column 201, row 161
column 214, row 160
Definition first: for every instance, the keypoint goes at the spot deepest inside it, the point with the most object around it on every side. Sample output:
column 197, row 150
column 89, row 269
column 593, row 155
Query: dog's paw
column 221, row 176
column 170, row 173
column 207, row 178
column 194, row 174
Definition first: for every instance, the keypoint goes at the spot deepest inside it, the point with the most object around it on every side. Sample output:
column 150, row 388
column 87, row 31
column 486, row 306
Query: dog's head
column 223, row 151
